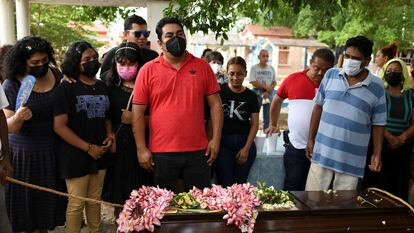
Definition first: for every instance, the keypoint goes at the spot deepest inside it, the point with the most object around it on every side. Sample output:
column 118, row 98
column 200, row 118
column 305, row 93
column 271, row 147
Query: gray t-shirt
column 264, row 75
column 3, row 102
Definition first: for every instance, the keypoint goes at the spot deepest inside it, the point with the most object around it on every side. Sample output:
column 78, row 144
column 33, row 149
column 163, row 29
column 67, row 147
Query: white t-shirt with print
column 264, row 75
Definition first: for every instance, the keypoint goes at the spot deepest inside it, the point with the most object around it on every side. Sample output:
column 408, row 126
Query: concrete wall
column 295, row 63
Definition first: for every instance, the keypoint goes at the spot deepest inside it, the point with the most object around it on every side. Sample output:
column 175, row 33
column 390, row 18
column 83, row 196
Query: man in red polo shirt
column 173, row 87
column 300, row 89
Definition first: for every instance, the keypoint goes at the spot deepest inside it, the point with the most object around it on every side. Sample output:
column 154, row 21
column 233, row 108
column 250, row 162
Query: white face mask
column 352, row 67
column 216, row 68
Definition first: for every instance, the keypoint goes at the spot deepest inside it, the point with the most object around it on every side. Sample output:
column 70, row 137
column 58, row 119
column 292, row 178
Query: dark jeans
column 227, row 169
column 296, row 168
column 266, row 107
column 191, row 166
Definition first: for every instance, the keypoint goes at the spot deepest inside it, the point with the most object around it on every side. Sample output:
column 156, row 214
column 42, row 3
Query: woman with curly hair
column 125, row 174
column 385, row 54
column 3, row 51
column 32, row 140
column 81, row 119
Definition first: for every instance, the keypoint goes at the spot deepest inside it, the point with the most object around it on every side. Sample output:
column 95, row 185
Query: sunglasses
column 139, row 33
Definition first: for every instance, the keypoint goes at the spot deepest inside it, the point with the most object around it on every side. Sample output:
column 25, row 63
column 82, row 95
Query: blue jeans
column 5, row 226
column 227, row 169
column 296, row 168
column 266, row 107
column 266, row 115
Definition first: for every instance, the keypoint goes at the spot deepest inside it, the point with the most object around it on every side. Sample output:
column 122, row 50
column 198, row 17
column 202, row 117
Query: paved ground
column 108, row 223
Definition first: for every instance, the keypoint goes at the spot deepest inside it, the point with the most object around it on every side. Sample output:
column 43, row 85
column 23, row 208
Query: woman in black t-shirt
column 125, row 174
column 81, row 119
column 241, row 121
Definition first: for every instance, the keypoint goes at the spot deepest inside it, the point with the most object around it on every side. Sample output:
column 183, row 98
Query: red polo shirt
column 297, row 86
column 176, row 102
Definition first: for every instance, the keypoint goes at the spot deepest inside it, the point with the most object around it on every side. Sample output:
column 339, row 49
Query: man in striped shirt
column 350, row 105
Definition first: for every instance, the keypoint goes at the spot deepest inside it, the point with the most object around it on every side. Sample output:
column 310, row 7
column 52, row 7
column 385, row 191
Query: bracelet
column 89, row 148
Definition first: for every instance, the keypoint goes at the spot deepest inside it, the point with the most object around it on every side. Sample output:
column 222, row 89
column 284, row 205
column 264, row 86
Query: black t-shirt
column 118, row 97
column 237, row 109
column 87, row 107
column 147, row 55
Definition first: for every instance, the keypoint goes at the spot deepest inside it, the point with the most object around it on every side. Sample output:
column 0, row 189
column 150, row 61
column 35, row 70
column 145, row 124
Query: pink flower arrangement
column 144, row 209
column 241, row 206
column 239, row 200
column 210, row 198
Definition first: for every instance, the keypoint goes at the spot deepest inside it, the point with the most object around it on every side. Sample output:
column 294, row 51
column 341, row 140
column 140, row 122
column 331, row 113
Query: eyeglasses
column 237, row 75
column 139, row 33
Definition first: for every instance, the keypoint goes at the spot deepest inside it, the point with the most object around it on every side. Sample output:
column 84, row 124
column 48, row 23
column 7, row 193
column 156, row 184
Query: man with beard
column 174, row 87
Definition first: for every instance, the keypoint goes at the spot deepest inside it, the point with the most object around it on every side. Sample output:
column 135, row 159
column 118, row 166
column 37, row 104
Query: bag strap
column 130, row 100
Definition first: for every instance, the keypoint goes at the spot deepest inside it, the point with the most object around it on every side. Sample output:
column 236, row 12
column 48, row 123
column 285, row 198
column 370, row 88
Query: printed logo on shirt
column 94, row 105
column 193, row 72
column 230, row 110
column 264, row 72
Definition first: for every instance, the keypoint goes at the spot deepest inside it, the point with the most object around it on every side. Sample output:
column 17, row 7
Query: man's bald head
column 263, row 56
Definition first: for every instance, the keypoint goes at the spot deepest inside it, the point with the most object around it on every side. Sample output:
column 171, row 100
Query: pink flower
column 239, row 201
column 144, row 209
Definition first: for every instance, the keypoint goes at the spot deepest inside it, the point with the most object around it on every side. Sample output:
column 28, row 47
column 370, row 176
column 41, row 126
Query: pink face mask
column 127, row 73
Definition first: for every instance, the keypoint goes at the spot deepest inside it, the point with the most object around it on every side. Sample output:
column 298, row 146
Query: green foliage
column 213, row 15
column 52, row 21
column 220, row 16
column 104, row 14
column 184, row 201
column 331, row 21
column 383, row 22
column 269, row 195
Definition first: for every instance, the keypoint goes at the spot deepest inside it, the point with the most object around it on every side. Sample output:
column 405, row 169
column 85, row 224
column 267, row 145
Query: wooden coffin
column 314, row 212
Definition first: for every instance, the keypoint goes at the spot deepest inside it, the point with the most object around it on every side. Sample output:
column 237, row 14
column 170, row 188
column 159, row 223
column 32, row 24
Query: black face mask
column 39, row 71
column 90, row 68
column 176, row 46
column 394, row 78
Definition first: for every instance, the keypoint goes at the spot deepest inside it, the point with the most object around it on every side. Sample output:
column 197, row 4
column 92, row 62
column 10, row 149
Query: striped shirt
column 399, row 112
column 348, row 114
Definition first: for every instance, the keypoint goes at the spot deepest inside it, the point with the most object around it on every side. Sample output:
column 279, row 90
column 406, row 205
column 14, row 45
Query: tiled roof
column 279, row 32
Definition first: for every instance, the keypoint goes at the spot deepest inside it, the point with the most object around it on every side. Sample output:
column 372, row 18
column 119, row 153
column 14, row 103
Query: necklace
column 89, row 86
column 126, row 89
